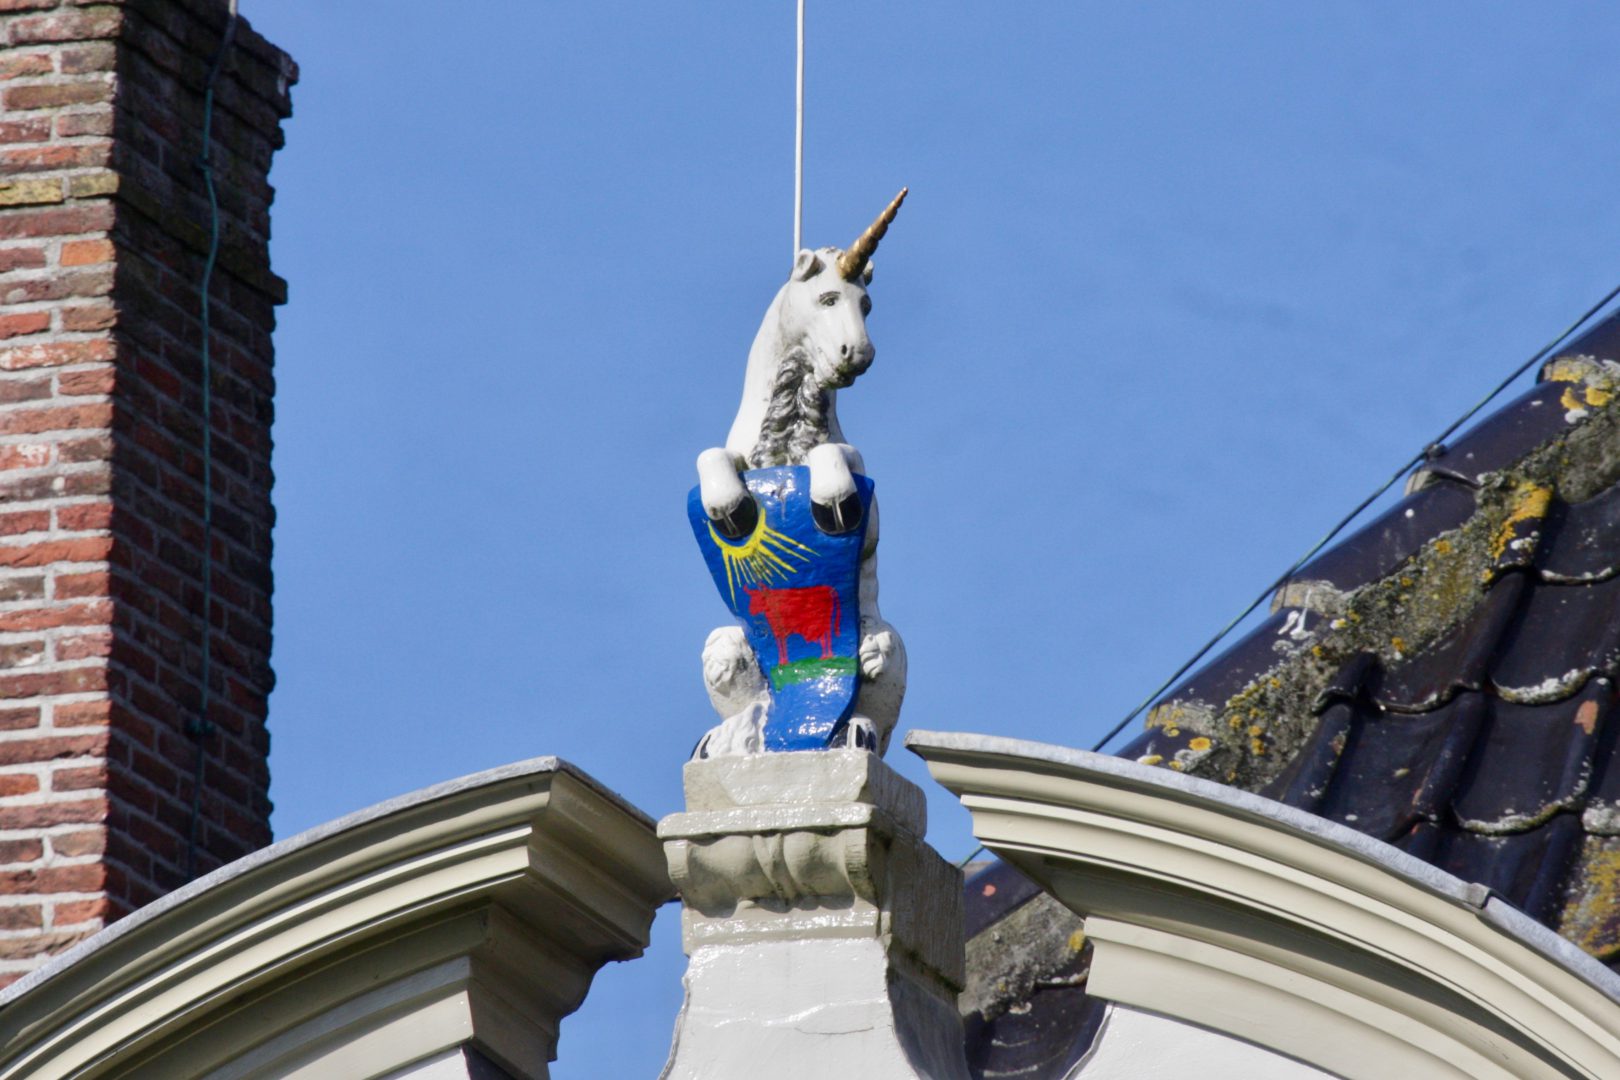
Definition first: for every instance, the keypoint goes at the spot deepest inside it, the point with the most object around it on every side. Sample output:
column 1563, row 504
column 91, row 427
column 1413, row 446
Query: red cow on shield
column 812, row 613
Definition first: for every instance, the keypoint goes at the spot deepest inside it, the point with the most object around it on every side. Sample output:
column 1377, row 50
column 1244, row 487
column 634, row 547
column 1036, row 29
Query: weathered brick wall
column 103, row 234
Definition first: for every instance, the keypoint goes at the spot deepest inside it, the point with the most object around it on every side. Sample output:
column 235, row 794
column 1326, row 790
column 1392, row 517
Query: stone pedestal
column 824, row 936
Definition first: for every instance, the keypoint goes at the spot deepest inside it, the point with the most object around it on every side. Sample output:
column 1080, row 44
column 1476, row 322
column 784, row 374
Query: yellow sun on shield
column 764, row 558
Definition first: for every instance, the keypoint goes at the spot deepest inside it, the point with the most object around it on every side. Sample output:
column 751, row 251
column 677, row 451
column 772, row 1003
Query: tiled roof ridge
column 1248, row 735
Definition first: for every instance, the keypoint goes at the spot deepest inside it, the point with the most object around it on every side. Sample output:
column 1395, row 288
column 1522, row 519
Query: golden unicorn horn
column 853, row 261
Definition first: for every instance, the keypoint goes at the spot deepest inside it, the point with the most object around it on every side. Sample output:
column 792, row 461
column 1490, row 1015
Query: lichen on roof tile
column 1449, row 680
column 1435, row 621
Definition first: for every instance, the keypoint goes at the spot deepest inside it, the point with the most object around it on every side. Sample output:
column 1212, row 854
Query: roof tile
column 1392, row 538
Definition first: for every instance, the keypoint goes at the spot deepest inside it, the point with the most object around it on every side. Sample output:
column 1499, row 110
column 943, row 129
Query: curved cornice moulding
column 1242, row 915
column 471, row 913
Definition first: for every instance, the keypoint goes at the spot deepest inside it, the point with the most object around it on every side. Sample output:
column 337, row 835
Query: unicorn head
column 812, row 342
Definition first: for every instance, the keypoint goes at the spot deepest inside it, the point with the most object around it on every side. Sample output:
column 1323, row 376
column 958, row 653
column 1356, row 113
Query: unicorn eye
column 827, row 299
column 866, row 306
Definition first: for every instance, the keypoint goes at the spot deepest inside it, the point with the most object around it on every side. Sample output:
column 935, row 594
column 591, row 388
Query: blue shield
column 795, row 587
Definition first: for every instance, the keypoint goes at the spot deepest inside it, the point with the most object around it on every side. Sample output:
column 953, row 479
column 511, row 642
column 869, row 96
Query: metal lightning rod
column 798, row 148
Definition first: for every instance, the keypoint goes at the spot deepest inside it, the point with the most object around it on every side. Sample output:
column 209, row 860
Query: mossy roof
column 1446, row 679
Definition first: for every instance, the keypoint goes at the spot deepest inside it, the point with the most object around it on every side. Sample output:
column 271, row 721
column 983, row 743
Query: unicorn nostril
column 843, row 352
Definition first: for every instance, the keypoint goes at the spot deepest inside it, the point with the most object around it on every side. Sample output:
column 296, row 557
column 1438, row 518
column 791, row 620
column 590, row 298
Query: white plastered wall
column 1137, row 1045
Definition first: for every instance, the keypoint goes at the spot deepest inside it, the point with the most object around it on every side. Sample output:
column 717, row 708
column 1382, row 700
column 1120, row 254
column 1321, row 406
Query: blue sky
column 1176, row 285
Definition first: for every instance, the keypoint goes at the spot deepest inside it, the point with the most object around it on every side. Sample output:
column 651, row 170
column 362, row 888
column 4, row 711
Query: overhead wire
column 798, row 143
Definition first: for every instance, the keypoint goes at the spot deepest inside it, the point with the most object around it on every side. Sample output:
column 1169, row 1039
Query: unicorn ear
column 866, row 275
column 806, row 266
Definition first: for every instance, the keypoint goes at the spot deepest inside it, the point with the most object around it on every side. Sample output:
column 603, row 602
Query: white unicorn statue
column 811, row 344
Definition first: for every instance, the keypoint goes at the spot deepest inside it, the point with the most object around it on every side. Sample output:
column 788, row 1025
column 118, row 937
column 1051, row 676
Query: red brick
column 87, row 383
column 161, row 379
column 26, row 948
column 78, row 779
column 25, row 456
column 31, row 257
column 25, row 521
column 83, row 317
column 29, row 488
column 23, row 64
column 84, row 282
column 84, row 646
column 86, row 252
column 50, row 748
column 72, row 912
column 83, row 549
column 25, row 850
column 153, row 837
column 76, row 845
column 46, row 815
column 56, row 354
column 82, row 714
column 91, row 122
column 83, row 516
column 15, row 390
column 27, row 322
column 15, row 654
column 72, row 586
column 97, row 481
column 17, row 784
column 96, row 56
column 130, row 883
column 51, row 158
column 18, row 719
column 62, row 615
column 21, row 851
column 69, row 26
column 22, row 916
column 83, row 680
column 78, row 451
column 35, row 129
column 66, row 418
column 54, row 96
column 56, row 221
column 88, row 877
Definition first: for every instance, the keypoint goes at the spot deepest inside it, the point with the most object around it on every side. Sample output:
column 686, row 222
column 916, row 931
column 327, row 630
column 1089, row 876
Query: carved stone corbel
column 822, row 931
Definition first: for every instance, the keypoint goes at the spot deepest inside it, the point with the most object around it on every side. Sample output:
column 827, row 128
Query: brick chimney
column 104, row 235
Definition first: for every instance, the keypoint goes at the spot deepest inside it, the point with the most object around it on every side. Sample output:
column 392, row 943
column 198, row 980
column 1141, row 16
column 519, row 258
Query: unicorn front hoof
column 737, row 521
column 726, row 501
column 838, row 518
column 834, row 505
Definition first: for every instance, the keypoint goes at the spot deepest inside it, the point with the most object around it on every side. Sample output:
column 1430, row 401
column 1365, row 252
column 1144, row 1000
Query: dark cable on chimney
column 1428, row 453
column 199, row 727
